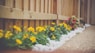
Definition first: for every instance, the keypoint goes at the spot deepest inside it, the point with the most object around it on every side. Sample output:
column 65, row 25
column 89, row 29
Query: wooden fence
column 35, row 12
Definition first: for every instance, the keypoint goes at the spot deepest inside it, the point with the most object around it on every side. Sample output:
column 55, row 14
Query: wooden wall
column 84, row 8
column 67, row 7
column 35, row 12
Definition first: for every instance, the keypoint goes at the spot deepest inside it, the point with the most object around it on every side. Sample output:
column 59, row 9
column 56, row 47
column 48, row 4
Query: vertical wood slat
column 18, row 4
column 8, row 24
column 26, row 5
column 45, row 22
column 76, row 8
column 45, row 6
column 79, row 9
column 31, row 5
column 59, row 7
column 42, row 23
column 9, row 3
column 42, row 6
column 18, row 23
column 49, row 22
column 32, row 22
column 37, row 23
column 37, row 5
column 54, row 6
column 1, row 23
column 71, row 7
column 88, row 12
column 49, row 4
column 25, row 23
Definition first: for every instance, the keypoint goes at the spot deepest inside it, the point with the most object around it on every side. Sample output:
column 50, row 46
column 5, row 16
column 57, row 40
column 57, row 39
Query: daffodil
column 61, row 24
column 69, row 28
column 52, row 28
column 17, row 28
column 18, row 41
column 31, row 29
column 40, row 29
column 33, row 39
column 25, row 36
column 65, row 25
column 1, row 35
column 53, row 23
column 8, row 34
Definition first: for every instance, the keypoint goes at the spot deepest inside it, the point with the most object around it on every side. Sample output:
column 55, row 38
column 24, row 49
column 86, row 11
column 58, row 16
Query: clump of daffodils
column 26, row 37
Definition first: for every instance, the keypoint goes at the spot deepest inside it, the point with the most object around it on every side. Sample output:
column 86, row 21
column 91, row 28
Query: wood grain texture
column 1, row 23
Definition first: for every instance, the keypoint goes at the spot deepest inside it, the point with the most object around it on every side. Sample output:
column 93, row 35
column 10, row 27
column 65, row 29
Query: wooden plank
column 26, row 5
column 88, row 12
column 31, row 5
column 9, row 3
column 37, row 5
column 32, row 22
column 25, row 23
column 49, row 5
column 54, row 6
column 71, row 7
column 18, row 4
column 45, row 23
column 42, row 6
column 79, row 8
column 49, row 22
column 37, row 23
column 8, row 24
column 59, row 7
column 45, row 6
column 42, row 23
column 18, row 23
column 1, row 23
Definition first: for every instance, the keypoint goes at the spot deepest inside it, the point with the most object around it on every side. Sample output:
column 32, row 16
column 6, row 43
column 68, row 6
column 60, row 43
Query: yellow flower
column 18, row 41
column 65, row 25
column 52, row 28
column 33, row 39
column 1, row 30
column 31, row 29
column 61, row 24
column 69, row 27
column 8, row 34
column 53, row 37
column 53, row 23
column 40, row 29
column 1, row 34
column 25, row 36
column 17, row 28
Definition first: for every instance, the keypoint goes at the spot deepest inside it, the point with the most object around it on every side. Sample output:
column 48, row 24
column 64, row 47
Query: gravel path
column 83, row 41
